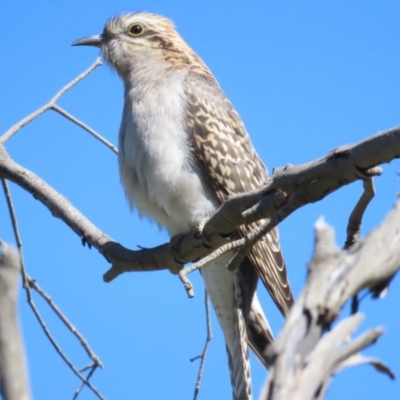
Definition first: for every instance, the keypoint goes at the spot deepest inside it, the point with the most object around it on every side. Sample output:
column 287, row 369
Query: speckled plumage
column 183, row 150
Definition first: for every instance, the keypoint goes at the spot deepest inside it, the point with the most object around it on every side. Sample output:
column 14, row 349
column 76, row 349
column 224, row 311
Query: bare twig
column 28, row 282
column 33, row 284
column 203, row 355
column 60, row 352
column 204, row 261
column 355, row 220
column 90, row 366
column 14, row 129
column 85, row 127
column 14, row 222
column 358, row 359
column 88, row 376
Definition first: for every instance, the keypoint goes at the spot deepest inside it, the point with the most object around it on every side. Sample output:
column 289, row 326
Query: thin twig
column 85, row 127
column 355, row 220
column 15, row 128
column 90, row 366
column 60, row 352
column 203, row 355
column 243, row 244
column 91, row 372
column 33, row 284
column 31, row 303
column 14, row 222
column 80, row 77
column 201, row 263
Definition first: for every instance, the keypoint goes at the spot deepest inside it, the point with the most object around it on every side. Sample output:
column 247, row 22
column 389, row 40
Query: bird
column 183, row 150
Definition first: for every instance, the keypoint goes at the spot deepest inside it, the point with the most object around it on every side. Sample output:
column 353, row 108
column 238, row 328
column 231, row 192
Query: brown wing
column 231, row 165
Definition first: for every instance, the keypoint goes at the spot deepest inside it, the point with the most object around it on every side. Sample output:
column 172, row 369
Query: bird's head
column 138, row 41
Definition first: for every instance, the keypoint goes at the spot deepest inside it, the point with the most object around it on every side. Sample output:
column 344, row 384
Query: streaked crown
column 142, row 40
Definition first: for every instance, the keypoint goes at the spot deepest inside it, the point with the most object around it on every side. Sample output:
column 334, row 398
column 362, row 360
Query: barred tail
column 239, row 363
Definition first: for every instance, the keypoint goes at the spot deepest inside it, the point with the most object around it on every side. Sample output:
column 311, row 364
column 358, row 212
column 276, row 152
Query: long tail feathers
column 239, row 363
column 259, row 332
column 251, row 329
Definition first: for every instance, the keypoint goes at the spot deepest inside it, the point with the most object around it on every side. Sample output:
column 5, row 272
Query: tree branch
column 290, row 188
column 13, row 372
column 29, row 283
column 203, row 355
column 50, row 105
column 302, row 362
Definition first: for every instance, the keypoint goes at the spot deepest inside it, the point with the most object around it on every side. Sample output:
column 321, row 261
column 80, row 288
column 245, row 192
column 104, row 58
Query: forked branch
column 29, row 283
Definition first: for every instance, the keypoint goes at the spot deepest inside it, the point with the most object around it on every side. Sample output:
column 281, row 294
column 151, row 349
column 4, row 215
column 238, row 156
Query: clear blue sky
column 305, row 77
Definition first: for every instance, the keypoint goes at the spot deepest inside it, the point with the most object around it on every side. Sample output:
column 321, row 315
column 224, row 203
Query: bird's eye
column 135, row 30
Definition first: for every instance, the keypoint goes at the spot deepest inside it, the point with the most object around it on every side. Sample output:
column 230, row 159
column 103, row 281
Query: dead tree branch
column 14, row 383
column 302, row 362
column 51, row 105
column 354, row 224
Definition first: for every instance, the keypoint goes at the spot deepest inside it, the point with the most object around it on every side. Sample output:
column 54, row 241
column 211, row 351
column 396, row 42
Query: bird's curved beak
column 96, row 41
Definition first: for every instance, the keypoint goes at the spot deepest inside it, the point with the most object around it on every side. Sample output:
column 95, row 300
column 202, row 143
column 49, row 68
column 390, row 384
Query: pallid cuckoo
column 183, row 150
